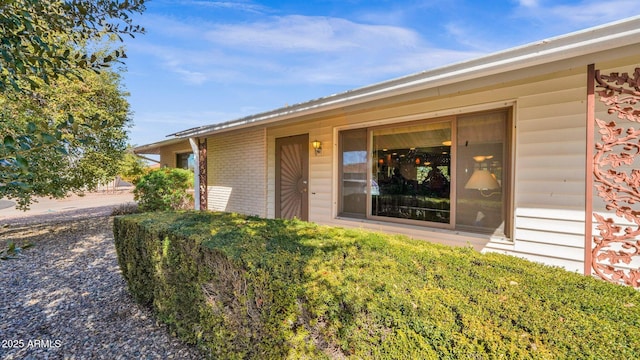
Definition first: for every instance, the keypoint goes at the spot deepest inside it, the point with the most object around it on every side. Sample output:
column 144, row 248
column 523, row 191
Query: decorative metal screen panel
column 615, row 246
column 202, row 149
column 291, row 183
column 292, row 167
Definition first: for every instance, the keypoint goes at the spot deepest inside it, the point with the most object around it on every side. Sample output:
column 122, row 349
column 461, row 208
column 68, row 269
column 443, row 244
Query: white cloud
column 362, row 71
column 292, row 49
column 230, row 5
column 193, row 77
column 232, row 65
column 528, row 3
column 533, row 20
column 305, row 33
column 589, row 12
column 467, row 36
column 584, row 13
column 165, row 26
column 187, row 118
column 152, row 126
column 326, row 50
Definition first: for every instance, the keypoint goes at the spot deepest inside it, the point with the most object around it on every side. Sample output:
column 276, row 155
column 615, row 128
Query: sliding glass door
column 412, row 172
column 449, row 172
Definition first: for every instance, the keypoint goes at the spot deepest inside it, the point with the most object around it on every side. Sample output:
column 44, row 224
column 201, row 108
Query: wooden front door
column 292, row 177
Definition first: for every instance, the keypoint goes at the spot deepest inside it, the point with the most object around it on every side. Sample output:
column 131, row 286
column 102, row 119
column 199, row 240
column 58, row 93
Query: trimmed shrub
column 243, row 288
column 164, row 189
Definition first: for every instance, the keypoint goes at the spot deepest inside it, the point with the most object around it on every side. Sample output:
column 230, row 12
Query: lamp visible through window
column 483, row 180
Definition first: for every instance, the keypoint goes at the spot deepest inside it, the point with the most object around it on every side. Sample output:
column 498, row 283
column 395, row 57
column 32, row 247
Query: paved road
column 74, row 202
column 6, row 204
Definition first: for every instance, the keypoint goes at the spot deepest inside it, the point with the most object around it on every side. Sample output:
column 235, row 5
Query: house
column 530, row 152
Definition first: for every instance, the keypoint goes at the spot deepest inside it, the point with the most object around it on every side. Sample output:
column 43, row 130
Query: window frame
column 508, row 168
column 370, row 164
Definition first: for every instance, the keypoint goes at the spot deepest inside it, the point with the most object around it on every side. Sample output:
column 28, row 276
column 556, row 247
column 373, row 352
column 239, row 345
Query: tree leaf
column 62, row 150
column 9, row 142
column 48, row 139
column 39, row 41
column 19, row 184
column 25, row 146
column 22, row 163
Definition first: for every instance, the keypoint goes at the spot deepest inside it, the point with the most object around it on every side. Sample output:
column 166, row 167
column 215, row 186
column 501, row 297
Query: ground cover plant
column 245, row 287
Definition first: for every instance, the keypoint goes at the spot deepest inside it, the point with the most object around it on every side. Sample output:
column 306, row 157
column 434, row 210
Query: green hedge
column 244, row 287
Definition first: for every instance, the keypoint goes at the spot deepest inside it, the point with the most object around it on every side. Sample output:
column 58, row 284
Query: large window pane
column 481, row 171
column 353, row 173
column 411, row 172
column 406, row 172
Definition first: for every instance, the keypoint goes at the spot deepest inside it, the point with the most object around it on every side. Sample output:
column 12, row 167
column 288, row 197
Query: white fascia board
column 609, row 36
column 154, row 148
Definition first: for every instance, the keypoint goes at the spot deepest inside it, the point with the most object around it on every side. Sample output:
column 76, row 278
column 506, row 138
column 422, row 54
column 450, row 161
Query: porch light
column 317, row 146
column 482, row 180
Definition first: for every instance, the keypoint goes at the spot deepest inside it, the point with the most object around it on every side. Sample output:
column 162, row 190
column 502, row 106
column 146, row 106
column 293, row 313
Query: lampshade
column 482, row 180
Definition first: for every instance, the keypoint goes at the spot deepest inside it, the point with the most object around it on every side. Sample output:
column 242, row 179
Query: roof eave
column 154, row 148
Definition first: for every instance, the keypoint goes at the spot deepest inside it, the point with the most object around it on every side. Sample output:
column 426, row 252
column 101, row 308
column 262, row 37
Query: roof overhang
column 597, row 39
column 154, row 148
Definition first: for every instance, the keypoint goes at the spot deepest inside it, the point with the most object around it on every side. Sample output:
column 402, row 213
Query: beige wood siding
column 236, row 168
column 168, row 153
column 550, row 173
column 549, row 159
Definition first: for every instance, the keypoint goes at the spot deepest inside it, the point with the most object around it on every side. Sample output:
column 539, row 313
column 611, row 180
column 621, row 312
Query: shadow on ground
column 65, row 297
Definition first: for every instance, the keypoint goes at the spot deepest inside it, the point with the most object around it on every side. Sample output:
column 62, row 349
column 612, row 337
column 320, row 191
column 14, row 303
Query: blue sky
column 203, row 62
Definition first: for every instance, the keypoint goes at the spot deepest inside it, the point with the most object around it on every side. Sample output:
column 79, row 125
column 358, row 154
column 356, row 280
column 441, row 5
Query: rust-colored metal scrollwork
column 202, row 150
column 616, row 250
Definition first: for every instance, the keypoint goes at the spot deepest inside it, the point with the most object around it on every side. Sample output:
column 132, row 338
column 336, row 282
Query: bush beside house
column 244, row 287
column 164, row 189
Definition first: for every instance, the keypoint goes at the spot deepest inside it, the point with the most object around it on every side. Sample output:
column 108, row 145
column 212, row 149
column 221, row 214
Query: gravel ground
column 65, row 298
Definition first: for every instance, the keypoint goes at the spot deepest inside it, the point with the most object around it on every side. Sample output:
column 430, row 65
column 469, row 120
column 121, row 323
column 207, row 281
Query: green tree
column 62, row 118
column 40, row 38
column 132, row 167
column 70, row 138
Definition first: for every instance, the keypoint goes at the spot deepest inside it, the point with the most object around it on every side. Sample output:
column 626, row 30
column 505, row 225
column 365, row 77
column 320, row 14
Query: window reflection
column 185, row 161
column 353, row 176
column 481, row 151
column 412, row 172
column 406, row 172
